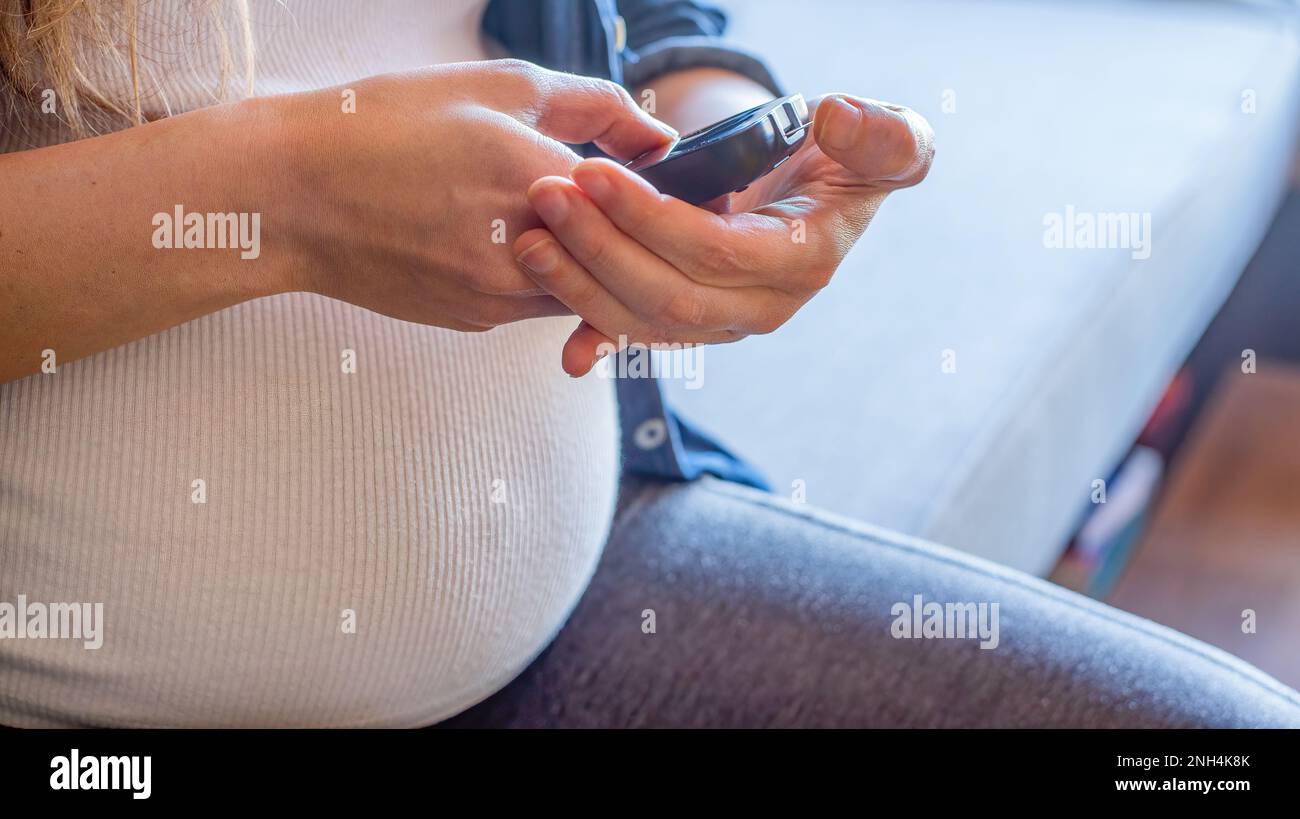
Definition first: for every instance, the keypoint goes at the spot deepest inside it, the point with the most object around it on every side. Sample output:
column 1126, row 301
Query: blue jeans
column 718, row 605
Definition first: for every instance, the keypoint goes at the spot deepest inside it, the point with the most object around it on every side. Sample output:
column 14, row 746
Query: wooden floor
column 1225, row 536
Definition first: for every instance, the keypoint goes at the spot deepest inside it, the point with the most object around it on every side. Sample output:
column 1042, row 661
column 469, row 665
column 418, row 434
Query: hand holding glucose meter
column 728, row 156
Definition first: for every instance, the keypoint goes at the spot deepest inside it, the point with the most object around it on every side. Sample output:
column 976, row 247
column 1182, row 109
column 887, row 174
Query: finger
column 720, row 250
column 575, row 109
column 586, row 346
column 552, row 267
column 653, row 289
column 887, row 145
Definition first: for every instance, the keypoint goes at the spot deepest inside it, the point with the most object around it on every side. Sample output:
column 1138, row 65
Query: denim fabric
column 658, row 443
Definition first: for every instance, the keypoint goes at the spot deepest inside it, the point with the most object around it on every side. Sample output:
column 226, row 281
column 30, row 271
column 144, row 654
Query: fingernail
column 595, row 183
column 839, row 132
column 541, row 257
column 551, row 205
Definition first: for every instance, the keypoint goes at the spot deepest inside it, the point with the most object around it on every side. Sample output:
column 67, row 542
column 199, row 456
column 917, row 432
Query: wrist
column 258, row 179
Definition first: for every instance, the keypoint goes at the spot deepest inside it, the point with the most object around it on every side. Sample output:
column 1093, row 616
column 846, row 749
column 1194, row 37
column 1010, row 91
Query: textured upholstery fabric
column 1060, row 354
column 770, row 614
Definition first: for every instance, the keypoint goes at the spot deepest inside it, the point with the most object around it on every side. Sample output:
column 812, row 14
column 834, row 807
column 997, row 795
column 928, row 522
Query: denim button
column 650, row 433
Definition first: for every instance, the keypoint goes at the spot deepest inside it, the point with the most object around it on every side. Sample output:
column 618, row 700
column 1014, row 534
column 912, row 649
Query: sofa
column 967, row 376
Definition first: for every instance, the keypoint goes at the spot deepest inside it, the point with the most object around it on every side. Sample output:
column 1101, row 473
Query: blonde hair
column 46, row 45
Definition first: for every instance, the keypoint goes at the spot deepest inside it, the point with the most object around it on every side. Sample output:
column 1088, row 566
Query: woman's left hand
column 642, row 267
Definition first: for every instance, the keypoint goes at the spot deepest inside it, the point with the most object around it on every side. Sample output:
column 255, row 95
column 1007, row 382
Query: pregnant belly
column 297, row 512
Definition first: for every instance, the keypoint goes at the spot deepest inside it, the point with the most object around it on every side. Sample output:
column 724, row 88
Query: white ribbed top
column 454, row 492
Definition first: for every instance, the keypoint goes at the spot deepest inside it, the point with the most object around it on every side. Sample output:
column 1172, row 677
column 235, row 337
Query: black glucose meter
column 728, row 156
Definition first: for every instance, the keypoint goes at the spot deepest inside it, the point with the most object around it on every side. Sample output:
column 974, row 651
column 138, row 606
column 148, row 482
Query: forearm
column 691, row 99
column 79, row 269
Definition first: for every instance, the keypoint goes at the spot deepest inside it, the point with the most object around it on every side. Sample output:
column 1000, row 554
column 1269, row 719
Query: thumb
column 575, row 110
column 887, row 145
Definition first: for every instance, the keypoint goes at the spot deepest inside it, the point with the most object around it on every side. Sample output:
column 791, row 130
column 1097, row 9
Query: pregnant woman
column 247, row 253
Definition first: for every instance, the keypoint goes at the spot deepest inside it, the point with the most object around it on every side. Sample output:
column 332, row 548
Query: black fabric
column 649, row 21
column 578, row 35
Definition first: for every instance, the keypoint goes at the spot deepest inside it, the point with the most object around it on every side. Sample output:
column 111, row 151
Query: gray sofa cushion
column 1060, row 353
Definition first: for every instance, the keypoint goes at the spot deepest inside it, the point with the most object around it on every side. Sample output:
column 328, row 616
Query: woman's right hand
column 410, row 205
